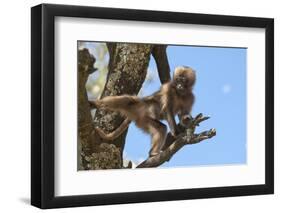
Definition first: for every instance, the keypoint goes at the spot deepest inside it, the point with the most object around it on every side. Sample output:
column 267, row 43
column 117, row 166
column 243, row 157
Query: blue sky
column 220, row 92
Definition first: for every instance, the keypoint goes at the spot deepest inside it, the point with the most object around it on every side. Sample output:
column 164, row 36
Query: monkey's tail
column 116, row 133
column 115, row 103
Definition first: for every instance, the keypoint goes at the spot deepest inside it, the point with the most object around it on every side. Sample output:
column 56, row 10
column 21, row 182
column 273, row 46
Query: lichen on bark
column 107, row 157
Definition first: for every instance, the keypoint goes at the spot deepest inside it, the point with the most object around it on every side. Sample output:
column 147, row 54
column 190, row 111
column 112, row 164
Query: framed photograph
column 140, row 106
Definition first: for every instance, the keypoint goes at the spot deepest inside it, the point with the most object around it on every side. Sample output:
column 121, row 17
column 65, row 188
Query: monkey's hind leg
column 158, row 132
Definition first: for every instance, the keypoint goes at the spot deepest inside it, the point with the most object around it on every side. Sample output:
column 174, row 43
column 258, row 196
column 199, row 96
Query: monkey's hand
column 185, row 120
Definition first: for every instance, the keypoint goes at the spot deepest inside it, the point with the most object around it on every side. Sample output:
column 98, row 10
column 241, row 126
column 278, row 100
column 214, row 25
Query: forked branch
column 186, row 137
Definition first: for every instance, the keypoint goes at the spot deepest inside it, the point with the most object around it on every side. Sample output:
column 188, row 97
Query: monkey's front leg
column 172, row 123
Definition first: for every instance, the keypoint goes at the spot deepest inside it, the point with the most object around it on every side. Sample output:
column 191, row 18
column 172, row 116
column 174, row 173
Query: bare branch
column 161, row 59
column 187, row 137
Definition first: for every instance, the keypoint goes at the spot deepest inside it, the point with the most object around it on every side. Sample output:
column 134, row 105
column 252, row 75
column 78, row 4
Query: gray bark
column 85, row 125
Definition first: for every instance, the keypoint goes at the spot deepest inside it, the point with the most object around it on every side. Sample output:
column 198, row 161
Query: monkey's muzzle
column 180, row 87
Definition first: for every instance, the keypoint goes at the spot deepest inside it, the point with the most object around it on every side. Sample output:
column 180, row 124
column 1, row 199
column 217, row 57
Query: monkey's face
column 184, row 79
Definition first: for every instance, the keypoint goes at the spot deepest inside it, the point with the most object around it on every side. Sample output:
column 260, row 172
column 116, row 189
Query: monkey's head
column 184, row 79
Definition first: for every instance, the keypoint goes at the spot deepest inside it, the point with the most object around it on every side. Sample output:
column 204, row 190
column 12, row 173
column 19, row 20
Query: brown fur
column 174, row 98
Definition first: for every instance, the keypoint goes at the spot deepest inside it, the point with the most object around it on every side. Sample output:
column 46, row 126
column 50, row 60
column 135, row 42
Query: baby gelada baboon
column 174, row 98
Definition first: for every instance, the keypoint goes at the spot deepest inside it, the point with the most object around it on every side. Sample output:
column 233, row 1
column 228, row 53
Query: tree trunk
column 85, row 125
column 126, row 73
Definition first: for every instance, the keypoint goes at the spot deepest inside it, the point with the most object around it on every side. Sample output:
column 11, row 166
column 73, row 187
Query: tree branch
column 161, row 59
column 85, row 127
column 111, row 47
column 186, row 137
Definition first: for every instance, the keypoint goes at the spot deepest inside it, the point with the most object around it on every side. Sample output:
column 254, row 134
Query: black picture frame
column 43, row 102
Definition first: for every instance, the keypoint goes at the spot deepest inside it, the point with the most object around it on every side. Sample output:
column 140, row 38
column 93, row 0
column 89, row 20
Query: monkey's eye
column 181, row 80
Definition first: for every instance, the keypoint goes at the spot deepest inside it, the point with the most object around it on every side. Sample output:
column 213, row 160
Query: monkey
column 174, row 98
